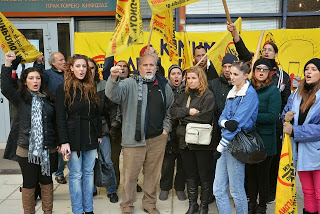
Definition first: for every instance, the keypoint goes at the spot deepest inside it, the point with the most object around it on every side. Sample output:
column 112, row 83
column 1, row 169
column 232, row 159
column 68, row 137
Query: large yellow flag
column 164, row 25
column 286, row 197
column 187, row 61
column 129, row 30
column 159, row 6
column 12, row 40
column 223, row 46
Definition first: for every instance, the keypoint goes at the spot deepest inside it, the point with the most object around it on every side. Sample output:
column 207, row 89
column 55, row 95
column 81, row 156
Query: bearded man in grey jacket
column 145, row 101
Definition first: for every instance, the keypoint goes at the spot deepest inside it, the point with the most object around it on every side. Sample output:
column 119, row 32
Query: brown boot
column 28, row 200
column 47, row 198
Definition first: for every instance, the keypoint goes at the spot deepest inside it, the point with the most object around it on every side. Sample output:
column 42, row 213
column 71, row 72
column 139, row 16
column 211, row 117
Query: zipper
column 89, row 124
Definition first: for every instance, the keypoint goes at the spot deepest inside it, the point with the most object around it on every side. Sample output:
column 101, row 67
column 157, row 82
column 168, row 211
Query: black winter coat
column 24, row 113
column 179, row 111
column 80, row 124
column 220, row 88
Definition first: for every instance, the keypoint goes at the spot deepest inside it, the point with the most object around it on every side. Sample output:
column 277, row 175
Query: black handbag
column 103, row 176
column 248, row 147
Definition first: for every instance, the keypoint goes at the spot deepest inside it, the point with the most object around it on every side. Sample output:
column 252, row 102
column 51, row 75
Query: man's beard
column 149, row 76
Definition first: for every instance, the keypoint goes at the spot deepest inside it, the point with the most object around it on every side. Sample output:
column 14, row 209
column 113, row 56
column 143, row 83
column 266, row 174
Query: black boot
column 252, row 207
column 306, row 212
column 205, row 196
column 192, row 187
column 261, row 209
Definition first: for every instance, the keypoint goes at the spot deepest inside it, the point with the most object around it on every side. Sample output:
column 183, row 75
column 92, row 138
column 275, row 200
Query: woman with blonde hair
column 79, row 128
column 303, row 111
column 195, row 105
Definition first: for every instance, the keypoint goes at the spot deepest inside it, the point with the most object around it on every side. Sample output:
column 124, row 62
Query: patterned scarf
column 140, row 81
column 36, row 154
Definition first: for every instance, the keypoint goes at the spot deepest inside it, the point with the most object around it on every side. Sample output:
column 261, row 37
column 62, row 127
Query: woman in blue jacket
column 269, row 110
column 303, row 111
column 239, row 113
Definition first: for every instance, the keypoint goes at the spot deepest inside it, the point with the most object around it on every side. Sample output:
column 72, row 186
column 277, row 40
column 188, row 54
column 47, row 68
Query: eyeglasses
column 263, row 69
column 268, row 49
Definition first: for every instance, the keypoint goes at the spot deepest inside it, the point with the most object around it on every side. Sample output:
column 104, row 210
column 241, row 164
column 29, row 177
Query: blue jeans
column 230, row 172
column 106, row 152
column 60, row 170
column 81, row 180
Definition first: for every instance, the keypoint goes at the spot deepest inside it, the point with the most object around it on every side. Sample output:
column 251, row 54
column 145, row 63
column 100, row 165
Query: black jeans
column 31, row 173
column 258, row 180
column 167, row 173
column 273, row 176
column 115, row 153
column 198, row 163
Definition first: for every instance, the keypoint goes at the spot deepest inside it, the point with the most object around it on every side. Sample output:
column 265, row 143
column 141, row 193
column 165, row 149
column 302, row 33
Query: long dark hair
column 71, row 83
column 96, row 70
column 23, row 89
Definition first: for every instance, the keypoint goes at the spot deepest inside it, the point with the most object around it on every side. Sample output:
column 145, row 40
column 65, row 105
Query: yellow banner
column 158, row 6
column 296, row 47
column 187, row 61
column 164, row 26
column 223, row 46
column 286, row 196
column 129, row 30
column 12, row 40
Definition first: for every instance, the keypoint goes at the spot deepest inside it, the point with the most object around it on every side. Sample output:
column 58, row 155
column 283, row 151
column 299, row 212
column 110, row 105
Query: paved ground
column 10, row 197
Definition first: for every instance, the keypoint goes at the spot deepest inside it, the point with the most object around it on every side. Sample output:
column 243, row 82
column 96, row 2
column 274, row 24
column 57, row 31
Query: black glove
column 216, row 155
column 231, row 125
column 16, row 62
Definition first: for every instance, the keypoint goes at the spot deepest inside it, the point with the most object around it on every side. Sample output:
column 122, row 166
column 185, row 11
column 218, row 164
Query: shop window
column 303, row 5
column 301, row 22
column 64, row 39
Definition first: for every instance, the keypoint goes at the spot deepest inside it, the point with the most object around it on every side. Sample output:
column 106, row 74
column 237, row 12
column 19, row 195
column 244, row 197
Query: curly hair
column 23, row 89
column 203, row 83
column 72, row 83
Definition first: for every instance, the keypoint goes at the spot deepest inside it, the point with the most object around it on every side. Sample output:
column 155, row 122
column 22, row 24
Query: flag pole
column 227, row 13
column 150, row 33
column 256, row 54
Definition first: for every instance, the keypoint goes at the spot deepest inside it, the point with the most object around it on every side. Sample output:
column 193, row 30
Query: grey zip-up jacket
column 125, row 93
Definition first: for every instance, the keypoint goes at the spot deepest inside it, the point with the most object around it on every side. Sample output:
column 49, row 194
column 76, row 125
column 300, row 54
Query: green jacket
column 269, row 110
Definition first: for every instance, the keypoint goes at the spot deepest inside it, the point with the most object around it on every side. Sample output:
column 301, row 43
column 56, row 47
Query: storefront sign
column 49, row 8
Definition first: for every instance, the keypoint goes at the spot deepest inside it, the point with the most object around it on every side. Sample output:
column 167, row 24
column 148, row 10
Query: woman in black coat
column 36, row 135
column 79, row 129
column 195, row 105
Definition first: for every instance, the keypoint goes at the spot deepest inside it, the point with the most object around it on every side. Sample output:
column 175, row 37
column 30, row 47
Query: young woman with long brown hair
column 303, row 111
column 79, row 128
column 36, row 138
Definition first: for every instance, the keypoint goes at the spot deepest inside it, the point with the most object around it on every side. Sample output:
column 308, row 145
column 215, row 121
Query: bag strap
column 100, row 155
column 188, row 102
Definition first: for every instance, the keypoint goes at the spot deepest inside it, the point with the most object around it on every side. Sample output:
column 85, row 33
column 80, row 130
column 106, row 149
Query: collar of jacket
column 242, row 92
column 224, row 80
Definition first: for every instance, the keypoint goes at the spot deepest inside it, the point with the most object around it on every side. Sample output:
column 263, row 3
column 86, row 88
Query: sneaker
column 113, row 197
column 181, row 195
column 271, row 199
column 139, row 189
column 163, row 195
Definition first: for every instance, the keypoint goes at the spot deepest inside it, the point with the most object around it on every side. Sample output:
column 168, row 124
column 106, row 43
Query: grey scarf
column 36, row 154
column 140, row 81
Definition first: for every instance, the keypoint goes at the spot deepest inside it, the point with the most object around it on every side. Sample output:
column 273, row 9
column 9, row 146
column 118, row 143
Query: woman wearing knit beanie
column 269, row 110
column 172, row 153
column 303, row 113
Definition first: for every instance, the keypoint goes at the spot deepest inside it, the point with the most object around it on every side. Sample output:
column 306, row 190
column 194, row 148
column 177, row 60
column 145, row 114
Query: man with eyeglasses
column 206, row 64
column 280, row 79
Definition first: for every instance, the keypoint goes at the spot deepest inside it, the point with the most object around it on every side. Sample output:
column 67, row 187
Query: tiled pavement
column 10, row 199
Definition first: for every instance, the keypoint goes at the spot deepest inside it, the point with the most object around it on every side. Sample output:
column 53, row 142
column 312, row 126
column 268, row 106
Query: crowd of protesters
column 69, row 110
